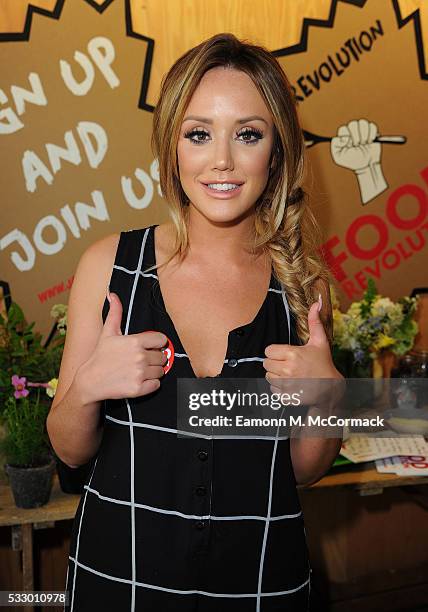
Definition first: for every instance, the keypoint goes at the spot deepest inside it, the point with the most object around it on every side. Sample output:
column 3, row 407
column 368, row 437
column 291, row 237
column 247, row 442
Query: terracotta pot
column 31, row 487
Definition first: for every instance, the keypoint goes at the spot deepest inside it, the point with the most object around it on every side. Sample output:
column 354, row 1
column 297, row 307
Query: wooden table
column 61, row 506
column 364, row 478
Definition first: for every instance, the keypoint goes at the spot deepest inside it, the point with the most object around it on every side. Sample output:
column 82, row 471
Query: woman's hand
column 309, row 367
column 310, row 361
column 122, row 365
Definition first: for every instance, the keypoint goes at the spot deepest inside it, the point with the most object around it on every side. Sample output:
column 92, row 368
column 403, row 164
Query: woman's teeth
column 223, row 186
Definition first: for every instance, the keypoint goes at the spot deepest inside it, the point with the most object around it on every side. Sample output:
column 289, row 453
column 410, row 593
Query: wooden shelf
column 61, row 506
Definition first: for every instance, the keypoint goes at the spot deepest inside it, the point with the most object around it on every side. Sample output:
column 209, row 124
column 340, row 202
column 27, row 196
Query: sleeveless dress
column 169, row 524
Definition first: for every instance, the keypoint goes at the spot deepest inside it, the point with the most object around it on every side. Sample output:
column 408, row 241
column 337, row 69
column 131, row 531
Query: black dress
column 169, row 524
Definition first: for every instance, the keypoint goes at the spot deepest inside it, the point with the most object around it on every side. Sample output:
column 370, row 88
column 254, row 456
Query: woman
column 173, row 524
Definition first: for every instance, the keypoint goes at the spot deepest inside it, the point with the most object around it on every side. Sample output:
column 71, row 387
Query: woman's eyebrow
column 209, row 121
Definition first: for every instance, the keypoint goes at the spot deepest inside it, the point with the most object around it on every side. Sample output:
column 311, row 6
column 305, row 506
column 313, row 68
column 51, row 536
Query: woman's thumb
column 114, row 316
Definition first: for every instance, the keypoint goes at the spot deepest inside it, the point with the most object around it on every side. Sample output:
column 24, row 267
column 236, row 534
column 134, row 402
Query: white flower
column 384, row 307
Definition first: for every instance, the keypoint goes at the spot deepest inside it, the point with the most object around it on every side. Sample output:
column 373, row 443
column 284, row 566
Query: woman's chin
column 224, row 212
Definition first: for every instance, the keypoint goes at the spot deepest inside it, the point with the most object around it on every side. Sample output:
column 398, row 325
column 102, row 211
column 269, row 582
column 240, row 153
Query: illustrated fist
column 353, row 147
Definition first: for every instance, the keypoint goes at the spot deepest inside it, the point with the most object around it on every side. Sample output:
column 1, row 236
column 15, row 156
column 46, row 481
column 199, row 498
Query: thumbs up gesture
column 122, row 365
column 312, row 360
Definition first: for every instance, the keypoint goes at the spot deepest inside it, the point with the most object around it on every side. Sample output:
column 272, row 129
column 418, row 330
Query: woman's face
column 224, row 145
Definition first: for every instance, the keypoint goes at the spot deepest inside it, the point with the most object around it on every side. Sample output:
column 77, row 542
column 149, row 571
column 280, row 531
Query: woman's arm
column 73, row 423
column 74, row 427
column 312, row 457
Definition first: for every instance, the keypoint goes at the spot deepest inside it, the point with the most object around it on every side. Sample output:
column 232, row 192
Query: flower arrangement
column 23, row 359
column 368, row 328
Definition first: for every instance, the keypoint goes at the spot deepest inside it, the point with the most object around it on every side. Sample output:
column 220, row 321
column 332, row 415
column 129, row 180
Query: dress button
column 239, row 331
column 203, row 455
column 232, row 363
column 199, row 524
column 201, row 490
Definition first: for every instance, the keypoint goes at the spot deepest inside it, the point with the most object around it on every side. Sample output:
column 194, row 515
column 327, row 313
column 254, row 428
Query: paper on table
column 411, row 465
column 403, row 465
column 385, row 466
column 367, row 448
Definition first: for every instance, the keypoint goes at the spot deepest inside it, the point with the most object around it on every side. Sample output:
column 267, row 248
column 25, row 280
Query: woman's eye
column 196, row 136
column 250, row 135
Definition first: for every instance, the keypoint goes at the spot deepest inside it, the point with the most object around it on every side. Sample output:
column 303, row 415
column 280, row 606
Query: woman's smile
column 223, row 191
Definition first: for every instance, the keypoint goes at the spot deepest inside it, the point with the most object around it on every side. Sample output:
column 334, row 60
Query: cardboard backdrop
column 78, row 83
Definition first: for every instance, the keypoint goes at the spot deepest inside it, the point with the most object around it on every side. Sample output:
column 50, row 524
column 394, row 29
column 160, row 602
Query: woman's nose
column 223, row 156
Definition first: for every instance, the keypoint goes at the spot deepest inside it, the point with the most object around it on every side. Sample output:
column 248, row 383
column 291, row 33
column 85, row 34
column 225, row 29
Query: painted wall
column 78, row 83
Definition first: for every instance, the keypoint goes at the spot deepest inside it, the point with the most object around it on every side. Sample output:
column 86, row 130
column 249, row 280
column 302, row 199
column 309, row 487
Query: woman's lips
column 222, row 195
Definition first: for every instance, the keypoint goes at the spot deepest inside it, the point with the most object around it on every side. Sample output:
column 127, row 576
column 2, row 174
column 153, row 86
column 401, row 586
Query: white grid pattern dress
column 173, row 524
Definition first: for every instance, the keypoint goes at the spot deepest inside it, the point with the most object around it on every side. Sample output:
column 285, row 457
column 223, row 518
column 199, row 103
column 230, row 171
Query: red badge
column 169, row 352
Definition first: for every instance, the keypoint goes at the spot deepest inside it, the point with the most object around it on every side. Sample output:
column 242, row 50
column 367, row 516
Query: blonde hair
column 285, row 226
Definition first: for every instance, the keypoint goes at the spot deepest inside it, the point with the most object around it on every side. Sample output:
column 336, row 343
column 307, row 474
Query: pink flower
column 19, row 384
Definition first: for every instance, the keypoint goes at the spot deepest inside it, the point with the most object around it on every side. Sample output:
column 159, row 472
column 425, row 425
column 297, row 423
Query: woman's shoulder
column 101, row 254
column 104, row 248
column 96, row 262
column 164, row 236
column 161, row 233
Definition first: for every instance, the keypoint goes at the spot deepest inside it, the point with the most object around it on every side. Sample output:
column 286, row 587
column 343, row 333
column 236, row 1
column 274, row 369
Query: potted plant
column 24, row 405
column 369, row 329
column 29, row 461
